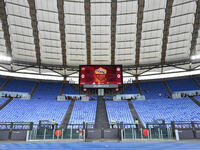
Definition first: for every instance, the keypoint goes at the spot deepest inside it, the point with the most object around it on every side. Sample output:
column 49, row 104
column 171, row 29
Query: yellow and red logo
column 100, row 73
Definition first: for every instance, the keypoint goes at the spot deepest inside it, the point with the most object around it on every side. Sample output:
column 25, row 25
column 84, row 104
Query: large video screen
column 98, row 75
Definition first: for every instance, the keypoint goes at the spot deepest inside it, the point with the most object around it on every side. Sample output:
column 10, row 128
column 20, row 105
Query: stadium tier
column 153, row 89
column 132, row 89
column 20, row 86
column 119, row 111
column 182, row 84
column 44, row 106
column 19, row 110
column 69, row 89
column 167, row 109
column 83, row 111
column 48, row 89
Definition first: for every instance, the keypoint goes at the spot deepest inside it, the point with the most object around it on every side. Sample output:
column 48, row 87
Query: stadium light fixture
column 195, row 57
column 5, row 58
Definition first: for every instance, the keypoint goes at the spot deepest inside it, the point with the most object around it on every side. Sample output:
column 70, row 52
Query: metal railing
column 147, row 134
column 56, row 134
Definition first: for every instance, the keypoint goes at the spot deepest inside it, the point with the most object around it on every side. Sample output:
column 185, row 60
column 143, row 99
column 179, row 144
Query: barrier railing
column 56, row 134
column 147, row 134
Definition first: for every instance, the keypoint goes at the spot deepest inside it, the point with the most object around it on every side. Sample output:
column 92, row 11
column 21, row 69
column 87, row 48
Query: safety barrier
column 56, row 134
column 146, row 134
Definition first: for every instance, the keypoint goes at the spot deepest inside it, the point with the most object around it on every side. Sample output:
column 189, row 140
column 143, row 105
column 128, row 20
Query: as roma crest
column 100, row 74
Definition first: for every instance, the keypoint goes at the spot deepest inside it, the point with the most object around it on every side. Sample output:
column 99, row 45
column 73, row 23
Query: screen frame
column 100, row 66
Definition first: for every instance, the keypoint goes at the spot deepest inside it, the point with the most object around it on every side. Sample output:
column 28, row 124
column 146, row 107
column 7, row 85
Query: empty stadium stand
column 83, row 111
column 182, row 84
column 119, row 111
column 33, row 110
column 19, row 86
column 132, row 89
column 153, row 89
column 69, row 89
column 48, row 90
column 167, row 109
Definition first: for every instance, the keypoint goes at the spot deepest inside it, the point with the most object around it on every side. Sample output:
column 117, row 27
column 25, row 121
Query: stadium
column 100, row 74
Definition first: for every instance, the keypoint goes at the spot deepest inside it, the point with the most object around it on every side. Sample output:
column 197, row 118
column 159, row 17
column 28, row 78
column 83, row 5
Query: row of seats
column 153, row 89
column 197, row 98
column 69, row 89
column 132, row 89
column 48, row 90
column 83, row 111
column 167, row 109
column 2, row 81
column 182, row 85
column 119, row 111
column 2, row 100
column 20, row 86
column 19, row 110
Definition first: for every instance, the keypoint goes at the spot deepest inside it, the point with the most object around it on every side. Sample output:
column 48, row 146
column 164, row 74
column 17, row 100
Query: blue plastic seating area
column 83, row 111
column 2, row 80
column 153, row 89
column 19, row 110
column 2, row 100
column 132, row 89
column 20, row 86
column 167, row 109
column 197, row 98
column 69, row 89
column 182, row 85
column 48, row 90
column 119, row 111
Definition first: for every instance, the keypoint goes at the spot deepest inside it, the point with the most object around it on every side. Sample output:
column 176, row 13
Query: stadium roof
column 69, row 33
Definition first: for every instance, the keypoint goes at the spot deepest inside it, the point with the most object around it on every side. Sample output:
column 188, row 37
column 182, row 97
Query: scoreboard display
column 100, row 75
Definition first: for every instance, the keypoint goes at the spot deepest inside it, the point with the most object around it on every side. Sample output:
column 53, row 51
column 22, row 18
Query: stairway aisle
column 134, row 113
column 195, row 101
column 6, row 103
column 196, row 82
column 167, row 88
column 68, row 114
column 34, row 89
column 101, row 120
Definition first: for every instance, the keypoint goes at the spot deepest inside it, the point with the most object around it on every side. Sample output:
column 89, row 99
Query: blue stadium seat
column 69, row 89
column 197, row 98
column 19, row 110
column 48, row 90
column 182, row 85
column 2, row 80
column 153, row 89
column 2, row 100
column 167, row 109
column 20, row 86
column 132, row 89
column 83, row 111
column 119, row 111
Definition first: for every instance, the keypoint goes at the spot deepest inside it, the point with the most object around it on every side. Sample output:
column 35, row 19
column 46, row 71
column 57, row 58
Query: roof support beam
column 88, row 29
column 61, row 18
column 113, row 29
column 5, row 27
column 168, row 13
column 196, row 27
column 139, row 30
column 34, row 24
